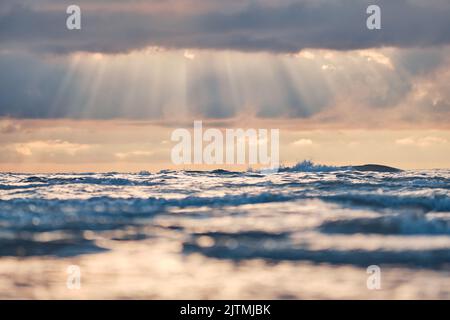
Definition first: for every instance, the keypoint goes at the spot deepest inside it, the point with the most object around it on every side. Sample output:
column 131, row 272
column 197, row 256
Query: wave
column 248, row 215
column 403, row 224
column 437, row 203
column 309, row 166
column 231, row 249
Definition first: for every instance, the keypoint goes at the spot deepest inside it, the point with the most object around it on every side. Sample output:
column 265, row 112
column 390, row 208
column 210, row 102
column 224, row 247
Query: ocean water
column 304, row 232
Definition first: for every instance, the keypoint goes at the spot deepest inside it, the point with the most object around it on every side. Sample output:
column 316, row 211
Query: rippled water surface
column 292, row 234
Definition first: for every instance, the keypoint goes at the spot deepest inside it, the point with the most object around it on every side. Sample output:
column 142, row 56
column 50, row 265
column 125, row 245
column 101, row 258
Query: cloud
column 51, row 150
column 361, row 90
column 303, row 142
column 405, row 141
column 377, row 58
column 50, row 146
column 189, row 55
column 9, row 126
column 137, row 155
column 249, row 25
column 422, row 142
column 219, row 59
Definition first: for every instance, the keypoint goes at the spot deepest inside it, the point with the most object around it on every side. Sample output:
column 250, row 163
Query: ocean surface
column 309, row 231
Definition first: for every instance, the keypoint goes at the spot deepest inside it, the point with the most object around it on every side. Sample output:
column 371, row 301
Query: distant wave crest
column 309, row 166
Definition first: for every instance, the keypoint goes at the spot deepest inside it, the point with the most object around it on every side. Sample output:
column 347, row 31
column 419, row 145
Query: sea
column 303, row 232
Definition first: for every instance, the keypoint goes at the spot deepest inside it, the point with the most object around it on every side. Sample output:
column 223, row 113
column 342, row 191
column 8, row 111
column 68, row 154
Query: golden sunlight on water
column 155, row 270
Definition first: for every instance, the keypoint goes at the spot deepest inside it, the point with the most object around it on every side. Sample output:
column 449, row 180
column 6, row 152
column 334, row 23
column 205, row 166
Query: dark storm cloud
column 35, row 84
column 276, row 26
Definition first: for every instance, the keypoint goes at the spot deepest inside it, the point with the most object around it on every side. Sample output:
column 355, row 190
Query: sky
column 107, row 97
